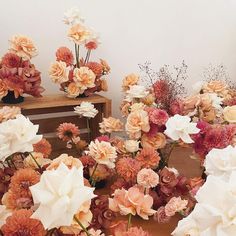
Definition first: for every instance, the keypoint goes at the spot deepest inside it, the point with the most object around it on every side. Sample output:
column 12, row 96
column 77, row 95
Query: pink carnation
column 160, row 216
column 158, row 116
column 147, row 178
column 135, row 231
column 175, row 204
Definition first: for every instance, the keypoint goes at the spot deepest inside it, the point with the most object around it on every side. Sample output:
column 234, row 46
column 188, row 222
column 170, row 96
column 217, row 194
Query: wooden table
column 52, row 110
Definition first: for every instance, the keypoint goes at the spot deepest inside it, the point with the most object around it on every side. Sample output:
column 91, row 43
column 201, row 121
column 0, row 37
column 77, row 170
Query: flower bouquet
column 17, row 74
column 79, row 77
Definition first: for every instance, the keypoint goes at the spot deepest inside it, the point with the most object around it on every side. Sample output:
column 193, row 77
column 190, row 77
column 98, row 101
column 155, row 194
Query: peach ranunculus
column 157, row 141
column 132, row 201
column 125, row 108
column 110, row 124
column 3, row 89
column 69, row 161
column 190, row 103
column 216, row 86
column 103, row 153
column 23, row 47
column 79, row 34
column 59, row 72
column 84, row 78
column 229, row 113
column 137, row 122
column 137, row 107
column 73, row 90
column 147, row 178
column 129, row 80
column 175, row 204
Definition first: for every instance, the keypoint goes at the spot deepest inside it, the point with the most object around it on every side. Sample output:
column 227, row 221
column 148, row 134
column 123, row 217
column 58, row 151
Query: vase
column 82, row 96
column 10, row 98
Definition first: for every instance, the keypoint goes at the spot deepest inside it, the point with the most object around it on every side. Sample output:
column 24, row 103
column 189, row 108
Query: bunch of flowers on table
column 77, row 75
column 213, row 106
column 214, row 213
column 17, row 74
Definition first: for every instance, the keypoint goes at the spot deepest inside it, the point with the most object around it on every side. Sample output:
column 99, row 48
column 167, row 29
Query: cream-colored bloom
column 229, row 113
column 137, row 122
column 67, row 160
column 60, row 194
column 84, row 78
column 73, row 90
column 4, row 213
column 221, row 162
column 137, row 106
column 136, row 91
column 147, row 178
column 23, row 47
column 79, row 34
column 86, row 109
column 129, row 80
column 29, row 161
column 180, row 127
column 17, row 135
column 59, row 72
column 197, row 87
column 103, row 153
column 132, row 145
column 175, row 204
column 7, row 113
column 73, row 16
column 110, row 124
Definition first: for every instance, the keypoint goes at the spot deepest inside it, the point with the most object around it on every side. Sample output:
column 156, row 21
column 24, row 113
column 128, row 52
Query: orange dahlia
column 67, row 131
column 22, row 180
column 20, row 223
column 148, row 158
column 44, row 147
column 97, row 68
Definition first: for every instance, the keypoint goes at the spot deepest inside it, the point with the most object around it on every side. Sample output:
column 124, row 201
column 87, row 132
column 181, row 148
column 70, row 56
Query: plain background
column 132, row 32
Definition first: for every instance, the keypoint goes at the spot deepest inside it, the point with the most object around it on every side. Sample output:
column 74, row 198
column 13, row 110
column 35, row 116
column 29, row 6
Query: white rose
column 60, row 192
column 17, row 135
column 180, row 127
column 86, row 109
column 221, row 162
column 73, row 16
column 216, row 101
column 136, row 91
column 197, row 87
column 230, row 114
column 132, row 145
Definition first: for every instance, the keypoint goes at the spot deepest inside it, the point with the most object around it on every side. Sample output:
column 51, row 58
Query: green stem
column 129, row 221
column 35, row 161
column 84, row 229
column 88, row 128
column 91, row 177
column 77, row 55
column 87, row 56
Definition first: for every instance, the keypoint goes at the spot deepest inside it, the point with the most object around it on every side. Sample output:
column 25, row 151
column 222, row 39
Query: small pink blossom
column 176, row 204
column 147, row 178
column 160, row 216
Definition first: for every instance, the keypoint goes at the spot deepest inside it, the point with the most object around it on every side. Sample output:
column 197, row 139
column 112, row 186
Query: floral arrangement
column 17, row 74
column 213, row 106
column 78, row 76
column 214, row 212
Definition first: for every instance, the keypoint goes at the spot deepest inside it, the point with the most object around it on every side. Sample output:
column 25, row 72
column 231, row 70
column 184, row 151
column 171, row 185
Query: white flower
column 17, row 135
column 4, row 213
column 86, row 109
column 103, row 153
column 221, row 162
column 180, row 127
column 136, row 91
column 60, row 194
column 197, row 87
column 73, row 16
column 216, row 101
column 132, row 145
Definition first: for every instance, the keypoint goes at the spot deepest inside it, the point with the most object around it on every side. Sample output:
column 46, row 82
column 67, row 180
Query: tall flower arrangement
column 77, row 75
column 17, row 74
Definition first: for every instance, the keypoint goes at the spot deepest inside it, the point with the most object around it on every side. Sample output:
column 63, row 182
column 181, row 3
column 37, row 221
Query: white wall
column 132, row 31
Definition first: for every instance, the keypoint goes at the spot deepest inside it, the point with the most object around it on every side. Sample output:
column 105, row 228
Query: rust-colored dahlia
column 20, row 223
column 128, row 168
column 64, row 54
column 11, row 60
column 148, row 158
column 96, row 67
column 22, row 180
column 44, row 147
column 67, row 131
